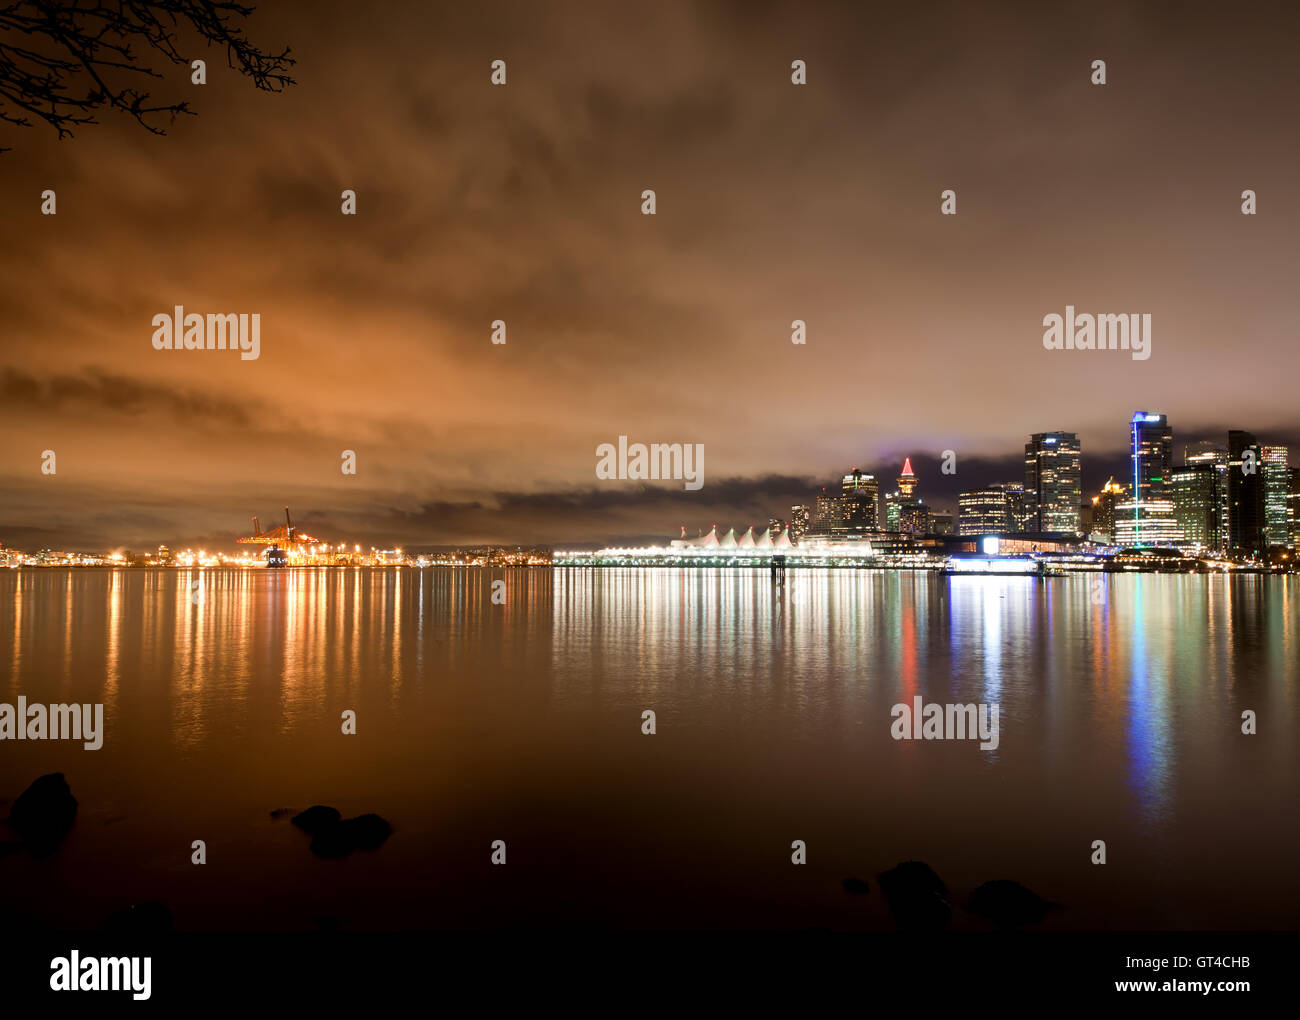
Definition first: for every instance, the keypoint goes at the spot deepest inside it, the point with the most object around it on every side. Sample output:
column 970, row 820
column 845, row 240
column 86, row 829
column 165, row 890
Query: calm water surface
column 1121, row 720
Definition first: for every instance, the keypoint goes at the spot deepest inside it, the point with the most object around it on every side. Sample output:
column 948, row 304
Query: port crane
column 286, row 536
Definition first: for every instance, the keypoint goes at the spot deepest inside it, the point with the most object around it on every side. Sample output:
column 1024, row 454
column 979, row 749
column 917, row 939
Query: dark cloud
column 92, row 392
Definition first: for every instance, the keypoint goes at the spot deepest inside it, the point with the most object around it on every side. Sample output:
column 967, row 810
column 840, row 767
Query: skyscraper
column 902, row 498
column 907, row 480
column 1053, row 482
column 984, row 511
column 800, row 520
column 1147, row 517
column 1015, row 492
column 830, row 513
column 1245, row 495
column 866, row 491
column 1217, row 455
column 848, row 514
column 1277, row 484
column 1196, row 504
column 1293, row 507
column 914, row 518
column 1152, row 455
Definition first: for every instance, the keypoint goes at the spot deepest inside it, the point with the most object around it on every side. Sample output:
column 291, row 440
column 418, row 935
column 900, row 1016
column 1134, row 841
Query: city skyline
column 862, row 506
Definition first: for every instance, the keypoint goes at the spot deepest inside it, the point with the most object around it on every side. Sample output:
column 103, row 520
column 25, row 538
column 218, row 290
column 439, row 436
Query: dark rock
column 1009, row 904
column 369, row 831
column 44, row 812
column 147, row 918
column 366, row 832
column 316, row 818
column 918, row 900
column 856, row 887
column 8, row 847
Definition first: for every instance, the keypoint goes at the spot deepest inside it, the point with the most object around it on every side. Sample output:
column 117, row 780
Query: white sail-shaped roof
column 764, row 540
column 728, row 540
column 784, row 541
column 747, row 539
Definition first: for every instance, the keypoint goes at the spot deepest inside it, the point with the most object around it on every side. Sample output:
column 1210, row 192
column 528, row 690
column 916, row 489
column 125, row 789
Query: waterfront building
column 984, row 511
column 1150, row 522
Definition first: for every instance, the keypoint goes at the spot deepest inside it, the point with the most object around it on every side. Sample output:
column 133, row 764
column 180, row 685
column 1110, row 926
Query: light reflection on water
column 1121, row 701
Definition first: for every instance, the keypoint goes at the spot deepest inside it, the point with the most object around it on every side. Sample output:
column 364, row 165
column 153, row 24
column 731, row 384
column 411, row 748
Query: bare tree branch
column 62, row 60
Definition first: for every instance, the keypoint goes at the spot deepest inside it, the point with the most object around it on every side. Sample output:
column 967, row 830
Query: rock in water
column 316, row 818
column 369, row 831
column 917, row 899
column 856, row 887
column 1009, row 904
column 366, row 832
column 44, row 812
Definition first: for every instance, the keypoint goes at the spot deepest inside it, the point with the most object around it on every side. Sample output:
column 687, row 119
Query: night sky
column 775, row 202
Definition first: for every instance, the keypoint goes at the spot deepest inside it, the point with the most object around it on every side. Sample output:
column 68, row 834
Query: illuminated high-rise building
column 1016, row 508
column 892, row 501
column 1103, row 509
column 800, row 520
column 907, row 480
column 914, row 518
column 1217, row 455
column 984, row 511
column 828, row 513
column 1053, row 482
column 1293, row 507
column 1246, row 535
column 866, row 491
column 1147, row 517
column 901, row 499
column 1196, row 504
column 847, row 515
column 1277, row 485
